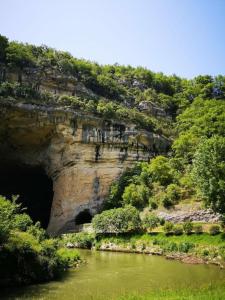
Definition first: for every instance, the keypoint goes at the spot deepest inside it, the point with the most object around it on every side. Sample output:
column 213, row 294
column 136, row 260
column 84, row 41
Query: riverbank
column 119, row 276
column 192, row 249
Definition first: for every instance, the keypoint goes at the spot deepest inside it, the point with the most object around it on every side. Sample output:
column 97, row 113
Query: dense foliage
column 118, row 220
column 110, row 91
column 27, row 255
column 194, row 170
column 209, row 171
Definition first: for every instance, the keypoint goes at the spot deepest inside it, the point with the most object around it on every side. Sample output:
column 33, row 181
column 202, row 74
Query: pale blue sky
column 185, row 37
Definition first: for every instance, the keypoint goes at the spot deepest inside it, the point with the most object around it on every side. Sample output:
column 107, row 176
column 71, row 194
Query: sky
column 182, row 37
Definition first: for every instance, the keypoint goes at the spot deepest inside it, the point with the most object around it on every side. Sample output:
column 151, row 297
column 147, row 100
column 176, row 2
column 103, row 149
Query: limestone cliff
column 81, row 153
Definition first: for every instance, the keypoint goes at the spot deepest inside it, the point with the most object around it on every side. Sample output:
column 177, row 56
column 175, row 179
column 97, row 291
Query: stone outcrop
column 151, row 108
column 81, row 153
column 201, row 215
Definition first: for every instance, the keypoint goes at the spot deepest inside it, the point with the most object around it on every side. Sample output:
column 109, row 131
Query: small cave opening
column 83, row 217
column 32, row 185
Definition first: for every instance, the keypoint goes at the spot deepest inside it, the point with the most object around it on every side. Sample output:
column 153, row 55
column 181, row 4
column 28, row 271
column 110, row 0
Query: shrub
column 118, row 220
column 22, row 221
column 150, row 222
column 168, row 227
column 23, row 259
column 162, row 221
column 68, row 257
column 26, row 255
column 161, row 170
column 37, row 231
column 222, row 224
column 7, row 212
column 205, row 252
column 71, row 101
column 136, row 195
column 166, row 201
column 214, row 229
column 185, row 247
column 188, row 226
column 173, row 192
column 198, row 229
column 171, row 247
column 80, row 240
column 153, row 204
column 178, row 230
column 117, row 188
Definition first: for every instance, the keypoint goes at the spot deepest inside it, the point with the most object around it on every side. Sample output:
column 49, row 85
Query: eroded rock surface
column 201, row 215
column 81, row 153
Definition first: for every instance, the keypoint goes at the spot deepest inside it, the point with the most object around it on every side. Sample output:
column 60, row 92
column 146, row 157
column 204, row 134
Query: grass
column 209, row 293
column 205, row 246
column 205, row 226
column 200, row 239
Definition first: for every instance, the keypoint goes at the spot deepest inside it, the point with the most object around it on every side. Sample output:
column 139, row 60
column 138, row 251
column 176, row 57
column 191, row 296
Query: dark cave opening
column 34, row 187
column 83, row 217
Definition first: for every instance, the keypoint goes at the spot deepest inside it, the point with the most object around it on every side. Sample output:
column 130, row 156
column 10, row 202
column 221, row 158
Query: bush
column 171, row 247
column 80, row 240
column 7, row 213
column 153, row 204
column 173, row 192
column 198, row 229
column 222, row 224
column 178, row 230
column 185, row 247
column 68, row 257
column 117, row 188
column 214, row 229
column 150, row 222
column 22, row 221
column 37, row 231
column 162, row 221
column 136, row 195
column 118, row 220
column 168, row 227
column 188, row 226
column 166, row 201
column 26, row 255
column 161, row 170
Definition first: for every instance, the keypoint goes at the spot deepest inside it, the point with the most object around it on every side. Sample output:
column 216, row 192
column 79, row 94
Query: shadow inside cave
column 83, row 217
column 34, row 187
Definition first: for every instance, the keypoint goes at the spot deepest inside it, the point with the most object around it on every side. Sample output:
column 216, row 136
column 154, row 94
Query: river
column 108, row 274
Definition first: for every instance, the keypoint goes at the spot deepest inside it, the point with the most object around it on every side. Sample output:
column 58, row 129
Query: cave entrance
column 34, row 187
column 83, row 217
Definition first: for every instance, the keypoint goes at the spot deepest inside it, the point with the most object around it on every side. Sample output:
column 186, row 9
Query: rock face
column 202, row 215
column 82, row 154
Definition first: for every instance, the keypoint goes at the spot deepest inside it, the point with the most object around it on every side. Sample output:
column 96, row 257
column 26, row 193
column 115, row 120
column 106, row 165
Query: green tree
column 161, row 170
column 19, row 56
column 136, row 194
column 209, row 172
column 150, row 222
column 3, row 46
column 118, row 220
column 117, row 188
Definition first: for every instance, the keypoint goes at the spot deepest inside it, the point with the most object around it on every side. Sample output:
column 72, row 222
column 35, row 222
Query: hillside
column 189, row 114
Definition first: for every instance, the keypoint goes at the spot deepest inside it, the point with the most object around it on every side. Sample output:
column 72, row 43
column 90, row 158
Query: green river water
column 109, row 274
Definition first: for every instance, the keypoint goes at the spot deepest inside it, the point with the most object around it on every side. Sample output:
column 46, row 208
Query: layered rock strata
column 82, row 154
